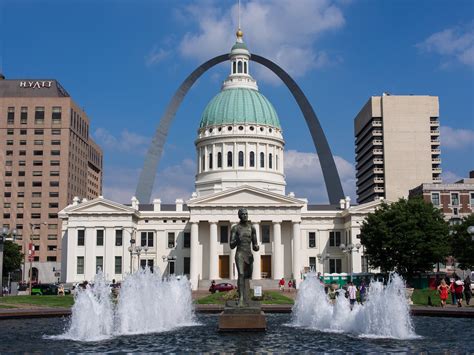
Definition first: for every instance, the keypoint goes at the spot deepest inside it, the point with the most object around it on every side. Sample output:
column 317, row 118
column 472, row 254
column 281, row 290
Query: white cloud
column 156, row 55
column 126, row 142
column 456, row 138
column 282, row 30
column 449, row 177
column 176, row 181
column 304, row 176
column 453, row 44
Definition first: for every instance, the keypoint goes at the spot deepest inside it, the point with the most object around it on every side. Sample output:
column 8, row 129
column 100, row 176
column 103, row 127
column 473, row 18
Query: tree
column 462, row 243
column 12, row 257
column 407, row 236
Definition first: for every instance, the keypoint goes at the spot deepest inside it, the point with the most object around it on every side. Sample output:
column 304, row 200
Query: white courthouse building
column 240, row 163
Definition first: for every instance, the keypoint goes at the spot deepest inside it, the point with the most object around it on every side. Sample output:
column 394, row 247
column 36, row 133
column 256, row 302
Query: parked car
column 222, row 287
column 44, row 289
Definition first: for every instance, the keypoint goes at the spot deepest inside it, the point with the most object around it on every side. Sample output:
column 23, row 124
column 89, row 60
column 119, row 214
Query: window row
column 240, row 162
column 335, row 265
column 39, row 115
column 454, row 199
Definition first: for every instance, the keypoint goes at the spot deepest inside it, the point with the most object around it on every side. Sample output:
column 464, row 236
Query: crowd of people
column 458, row 289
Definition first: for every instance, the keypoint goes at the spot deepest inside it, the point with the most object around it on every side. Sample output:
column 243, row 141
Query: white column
column 296, row 251
column 257, row 269
column 194, row 267
column 213, row 257
column 277, row 252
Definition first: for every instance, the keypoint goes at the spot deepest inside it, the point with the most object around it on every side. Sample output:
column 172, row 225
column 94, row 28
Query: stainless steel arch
column 330, row 174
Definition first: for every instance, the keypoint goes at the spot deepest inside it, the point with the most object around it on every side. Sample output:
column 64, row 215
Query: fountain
column 146, row 304
column 385, row 314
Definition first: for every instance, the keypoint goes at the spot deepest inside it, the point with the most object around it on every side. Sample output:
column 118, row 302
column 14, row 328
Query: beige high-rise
column 47, row 158
column 397, row 146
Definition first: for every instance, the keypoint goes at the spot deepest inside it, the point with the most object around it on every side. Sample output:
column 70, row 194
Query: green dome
column 239, row 105
column 239, row 45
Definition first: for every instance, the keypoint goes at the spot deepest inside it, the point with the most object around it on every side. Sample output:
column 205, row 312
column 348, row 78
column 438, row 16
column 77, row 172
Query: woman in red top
column 443, row 290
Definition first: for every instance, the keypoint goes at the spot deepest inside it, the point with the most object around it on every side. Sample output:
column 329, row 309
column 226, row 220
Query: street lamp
column 3, row 237
column 30, row 257
column 348, row 250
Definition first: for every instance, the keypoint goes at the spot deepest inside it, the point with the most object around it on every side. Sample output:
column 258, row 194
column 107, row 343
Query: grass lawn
column 420, row 297
column 39, row 301
column 269, row 297
column 6, row 306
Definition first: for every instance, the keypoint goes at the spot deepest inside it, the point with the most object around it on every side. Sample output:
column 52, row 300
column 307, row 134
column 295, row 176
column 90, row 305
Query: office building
column 47, row 158
column 397, row 146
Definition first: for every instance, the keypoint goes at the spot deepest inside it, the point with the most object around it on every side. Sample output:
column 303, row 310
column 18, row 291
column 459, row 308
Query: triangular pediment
column 245, row 196
column 367, row 207
column 98, row 206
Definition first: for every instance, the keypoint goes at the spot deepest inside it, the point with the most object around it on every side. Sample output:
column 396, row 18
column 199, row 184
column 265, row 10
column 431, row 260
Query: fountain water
column 386, row 312
column 146, row 304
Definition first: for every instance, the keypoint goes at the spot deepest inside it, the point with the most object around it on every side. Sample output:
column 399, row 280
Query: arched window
column 262, row 160
column 234, row 70
column 219, row 160
column 276, row 162
column 203, row 163
column 270, row 161
column 252, row 159
column 245, row 68
column 210, row 160
column 229, row 159
column 241, row 158
column 239, row 66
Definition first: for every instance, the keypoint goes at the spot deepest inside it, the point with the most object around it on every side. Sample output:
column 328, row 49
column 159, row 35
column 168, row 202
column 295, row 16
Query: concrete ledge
column 13, row 313
column 244, row 322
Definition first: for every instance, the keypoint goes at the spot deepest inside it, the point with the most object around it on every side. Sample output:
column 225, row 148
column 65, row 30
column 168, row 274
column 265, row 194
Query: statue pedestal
column 241, row 319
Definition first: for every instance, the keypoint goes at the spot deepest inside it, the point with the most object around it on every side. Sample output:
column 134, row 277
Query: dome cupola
column 240, row 139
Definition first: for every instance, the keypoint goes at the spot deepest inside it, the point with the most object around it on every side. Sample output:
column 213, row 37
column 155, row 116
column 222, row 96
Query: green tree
column 12, row 257
column 406, row 236
column 462, row 243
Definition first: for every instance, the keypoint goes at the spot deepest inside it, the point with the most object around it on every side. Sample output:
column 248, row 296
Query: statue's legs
column 241, row 279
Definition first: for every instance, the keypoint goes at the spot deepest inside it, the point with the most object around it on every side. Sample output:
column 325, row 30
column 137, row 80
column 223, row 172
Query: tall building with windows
column 397, row 146
column 240, row 163
column 48, row 158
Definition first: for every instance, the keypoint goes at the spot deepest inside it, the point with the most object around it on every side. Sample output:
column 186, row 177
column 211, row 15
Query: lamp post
column 30, row 257
column 3, row 236
column 132, row 245
column 348, row 250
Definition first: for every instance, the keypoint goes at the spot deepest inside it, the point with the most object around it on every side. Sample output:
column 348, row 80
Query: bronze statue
column 242, row 235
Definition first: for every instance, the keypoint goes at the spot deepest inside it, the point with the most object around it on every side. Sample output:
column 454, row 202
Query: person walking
column 352, row 290
column 290, row 285
column 362, row 292
column 467, row 289
column 281, row 283
column 443, row 290
column 459, row 288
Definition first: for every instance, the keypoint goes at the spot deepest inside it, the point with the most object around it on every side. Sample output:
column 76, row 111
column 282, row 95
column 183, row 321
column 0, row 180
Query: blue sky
column 122, row 61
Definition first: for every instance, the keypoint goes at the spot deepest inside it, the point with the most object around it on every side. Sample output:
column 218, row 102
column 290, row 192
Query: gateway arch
column 328, row 166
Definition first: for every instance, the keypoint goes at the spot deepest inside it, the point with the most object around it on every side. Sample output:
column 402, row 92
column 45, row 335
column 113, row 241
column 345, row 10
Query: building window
column 435, row 198
column 210, row 160
column 37, row 163
column 24, row 115
column 171, row 240
column 56, row 115
column 54, row 173
column 80, row 265
column 36, row 205
column 364, row 263
column 262, row 160
column 39, row 115
column 229, row 159
column 455, row 199
column 471, row 199
column 186, row 265
column 312, row 239
column 80, row 237
column 171, row 267
column 53, row 205
column 37, row 173
column 334, row 238
column 186, row 240
column 21, row 163
column 265, row 233
column 54, row 183
column 270, row 161
column 37, row 184
column 36, row 194
column 39, row 132
column 241, row 158
column 10, row 142
column 38, row 142
column 55, row 142
column 56, row 132
column 99, row 263
column 99, row 237
column 252, row 159
column 118, row 237
column 55, row 152
column 245, row 67
column 335, row 266
column 54, row 194
column 38, row 152
column 147, row 239
column 219, row 160
column 312, row 263
column 224, row 234
column 239, row 66
column 11, row 115
column 23, row 132
column 203, row 163
column 118, row 265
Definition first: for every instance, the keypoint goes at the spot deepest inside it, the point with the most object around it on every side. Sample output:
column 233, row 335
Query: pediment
column 245, row 196
column 99, row 206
